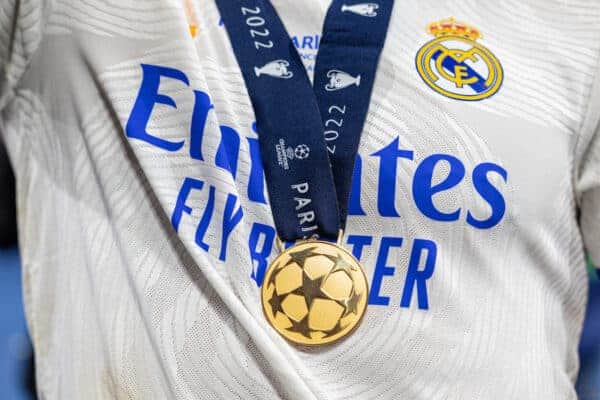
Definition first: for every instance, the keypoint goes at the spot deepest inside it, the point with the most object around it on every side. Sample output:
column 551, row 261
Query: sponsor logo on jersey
column 215, row 209
column 456, row 65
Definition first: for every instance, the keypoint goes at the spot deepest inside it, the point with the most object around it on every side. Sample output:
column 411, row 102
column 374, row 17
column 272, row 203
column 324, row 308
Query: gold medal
column 314, row 293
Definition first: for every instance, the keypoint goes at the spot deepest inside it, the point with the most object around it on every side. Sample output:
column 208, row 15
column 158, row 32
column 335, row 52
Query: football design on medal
column 314, row 293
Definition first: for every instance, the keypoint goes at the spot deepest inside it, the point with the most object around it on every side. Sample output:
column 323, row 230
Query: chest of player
column 463, row 115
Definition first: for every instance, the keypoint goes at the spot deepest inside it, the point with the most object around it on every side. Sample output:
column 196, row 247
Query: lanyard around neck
column 308, row 134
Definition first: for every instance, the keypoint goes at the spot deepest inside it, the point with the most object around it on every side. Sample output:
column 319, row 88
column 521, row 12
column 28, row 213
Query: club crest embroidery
column 456, row 65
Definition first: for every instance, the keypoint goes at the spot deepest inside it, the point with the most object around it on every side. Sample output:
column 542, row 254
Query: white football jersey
column 145, row 226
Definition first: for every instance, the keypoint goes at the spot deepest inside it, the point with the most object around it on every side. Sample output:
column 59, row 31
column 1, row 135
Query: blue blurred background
column 15, row 349
column 588, row 384
column 16, row 356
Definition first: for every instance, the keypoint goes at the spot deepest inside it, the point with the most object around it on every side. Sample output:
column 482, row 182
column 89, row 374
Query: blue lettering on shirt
column 261, row 240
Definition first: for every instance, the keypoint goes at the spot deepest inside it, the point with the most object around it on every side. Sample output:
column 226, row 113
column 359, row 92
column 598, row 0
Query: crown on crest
column 452, row 27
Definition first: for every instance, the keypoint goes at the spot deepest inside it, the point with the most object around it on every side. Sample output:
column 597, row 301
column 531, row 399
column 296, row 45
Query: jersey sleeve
column 21, row 26
column 588, row 180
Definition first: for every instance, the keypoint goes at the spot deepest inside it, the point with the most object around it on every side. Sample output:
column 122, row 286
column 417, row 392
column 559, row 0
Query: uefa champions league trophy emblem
column 276, row 69
column 340, row 80
column 363, row 9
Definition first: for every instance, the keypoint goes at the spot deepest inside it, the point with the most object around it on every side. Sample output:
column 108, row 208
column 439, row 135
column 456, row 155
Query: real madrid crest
column 456, row 65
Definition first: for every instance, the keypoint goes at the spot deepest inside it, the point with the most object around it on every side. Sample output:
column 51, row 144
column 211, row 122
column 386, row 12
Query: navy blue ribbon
column 308, row 136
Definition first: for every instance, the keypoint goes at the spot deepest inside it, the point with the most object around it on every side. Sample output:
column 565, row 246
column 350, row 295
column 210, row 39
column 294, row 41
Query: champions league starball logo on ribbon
column 455, row 65
column 286, row 153
column 301, row 151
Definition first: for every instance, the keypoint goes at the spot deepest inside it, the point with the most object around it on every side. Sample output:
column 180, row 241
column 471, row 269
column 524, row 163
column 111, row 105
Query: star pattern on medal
column 351, row 304
column 338, row 327
column 300, row 256
column 301, row 327
column 310, row 289
column 342, row 265
column 275, row 303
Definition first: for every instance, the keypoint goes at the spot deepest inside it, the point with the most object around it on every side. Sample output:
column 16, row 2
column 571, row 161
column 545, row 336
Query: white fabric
column 588, row 184
column 121, row 306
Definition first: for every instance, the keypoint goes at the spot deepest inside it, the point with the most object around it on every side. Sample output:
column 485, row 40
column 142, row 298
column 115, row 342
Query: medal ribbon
column 308, row 136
